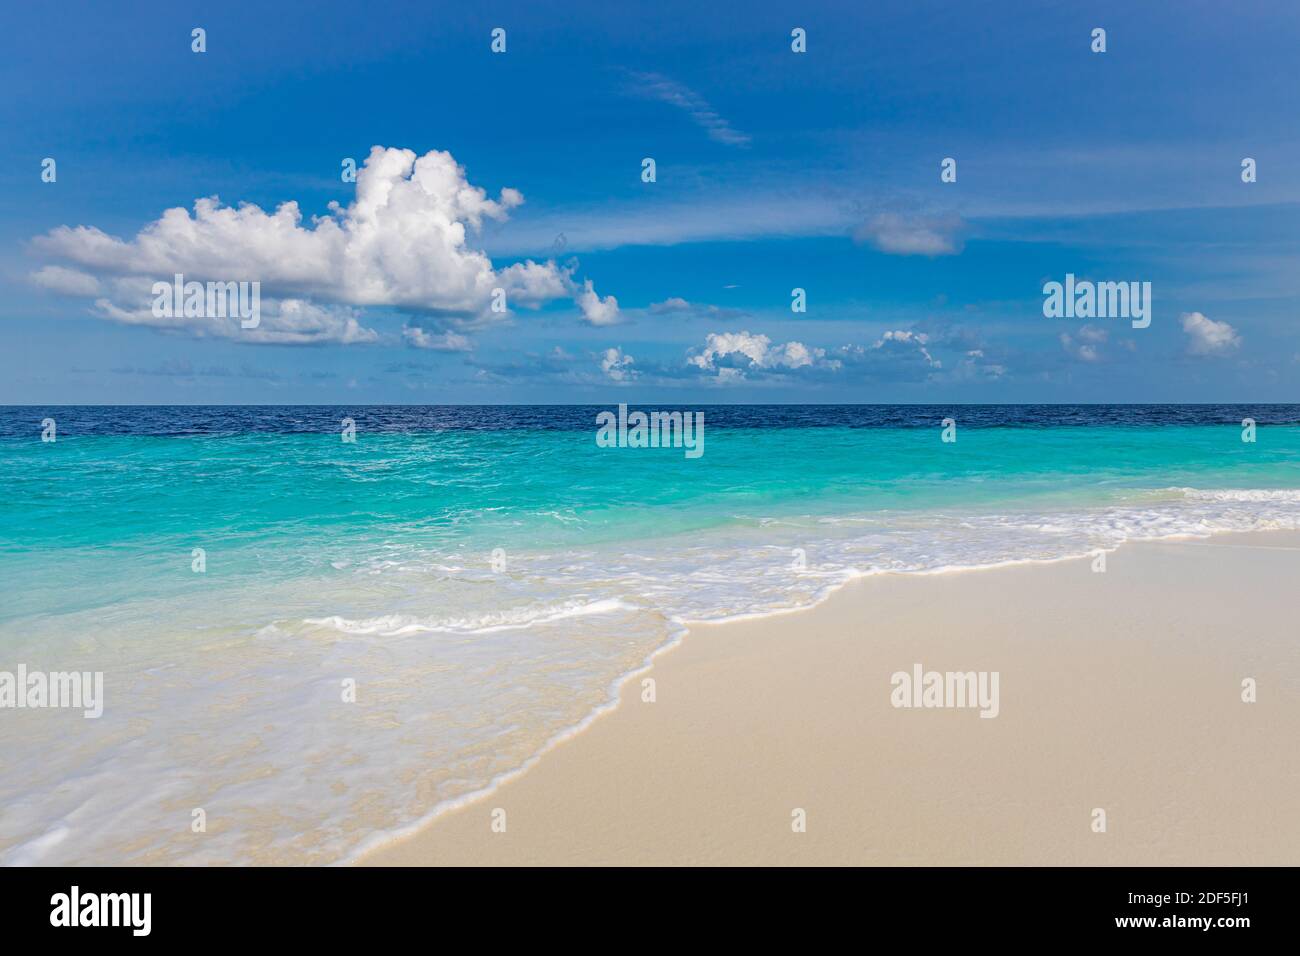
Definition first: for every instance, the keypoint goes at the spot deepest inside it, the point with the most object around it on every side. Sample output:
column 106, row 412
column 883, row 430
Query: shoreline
column 568, row 769
column 380, row 841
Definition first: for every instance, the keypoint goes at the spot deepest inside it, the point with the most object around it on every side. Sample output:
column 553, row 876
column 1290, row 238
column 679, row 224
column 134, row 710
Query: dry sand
column 1119, row 690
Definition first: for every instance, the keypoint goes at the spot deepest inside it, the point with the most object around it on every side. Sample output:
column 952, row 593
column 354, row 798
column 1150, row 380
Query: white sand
column 1119, row 691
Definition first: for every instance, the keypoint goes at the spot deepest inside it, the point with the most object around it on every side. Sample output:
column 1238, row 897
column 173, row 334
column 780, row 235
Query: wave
column 1289, row 495
column 396, row 625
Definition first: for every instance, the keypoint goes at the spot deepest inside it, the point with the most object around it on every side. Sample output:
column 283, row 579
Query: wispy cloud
column 912, row 236
column 676, row 305
column 659, row 87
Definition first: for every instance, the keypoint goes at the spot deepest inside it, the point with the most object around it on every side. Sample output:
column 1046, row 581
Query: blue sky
column 775, row 170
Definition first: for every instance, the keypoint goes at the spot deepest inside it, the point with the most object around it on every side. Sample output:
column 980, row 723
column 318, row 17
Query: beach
column 303, row 648
column 1119, row 690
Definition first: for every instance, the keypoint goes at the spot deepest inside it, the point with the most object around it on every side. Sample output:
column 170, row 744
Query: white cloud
column 908, row 340
column 795, row 355
column 1087, row 347
column 418, row 338
column 672, row 304
column 1094, row 334
column 66, row 281
column 595, row 310
column 660, row 219
column 282, row 321
column 1208, row 337
column 676, row 305
column 917, row 236
column 670, row 91
column 972, row 366
column 1083, row 351
column 617, row 365
column 1086, row 342
column 732, row 354
column 403, row 241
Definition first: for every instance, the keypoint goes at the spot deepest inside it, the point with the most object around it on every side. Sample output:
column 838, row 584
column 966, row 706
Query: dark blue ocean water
column 18, row 421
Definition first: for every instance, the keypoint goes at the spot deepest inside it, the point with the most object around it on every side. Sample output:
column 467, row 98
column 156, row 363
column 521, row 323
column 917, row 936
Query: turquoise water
column 485, row 578
column 269, row 504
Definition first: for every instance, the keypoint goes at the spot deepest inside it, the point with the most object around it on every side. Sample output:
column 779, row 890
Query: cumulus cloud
column 905, row 340
column 595, row 310
column 404, row 241
column 912, row 236
column 617, row 365
column 701, row 113
column 447, row 341
column 1207, row 337
column 730, row 355
column 897, row 355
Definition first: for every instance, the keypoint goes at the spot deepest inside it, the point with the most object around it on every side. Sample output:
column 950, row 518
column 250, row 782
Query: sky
column 501, row 242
